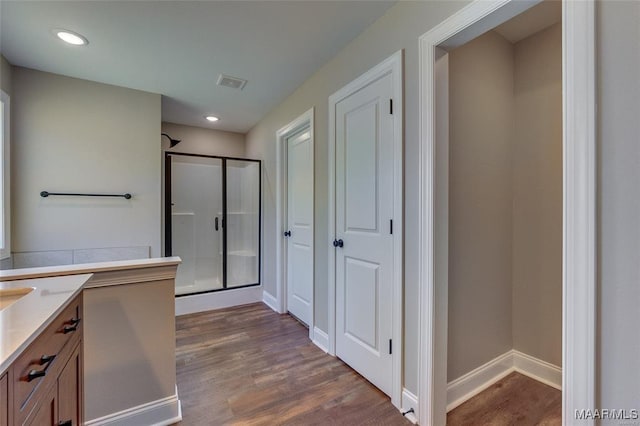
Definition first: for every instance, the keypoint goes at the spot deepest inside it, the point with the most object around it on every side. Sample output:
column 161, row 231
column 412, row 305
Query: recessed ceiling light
column 71, row 37
column 212, row 118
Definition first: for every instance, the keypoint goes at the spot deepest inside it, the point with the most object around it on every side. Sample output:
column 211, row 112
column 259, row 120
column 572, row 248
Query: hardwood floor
column 251, row 366
column 514, row 400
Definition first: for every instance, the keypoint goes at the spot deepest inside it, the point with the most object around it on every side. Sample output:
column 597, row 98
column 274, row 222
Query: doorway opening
column 505, row 222
column 450, row 257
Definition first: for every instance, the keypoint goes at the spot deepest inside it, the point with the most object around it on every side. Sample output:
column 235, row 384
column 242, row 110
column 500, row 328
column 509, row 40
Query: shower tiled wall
column 69, row 257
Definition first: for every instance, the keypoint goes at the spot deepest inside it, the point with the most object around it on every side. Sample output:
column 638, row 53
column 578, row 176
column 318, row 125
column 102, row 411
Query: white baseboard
column 538, row 369
column 217, row 300
column 320, row 339
column 270, row 301
column 474, row 382
column 162, row 412
column 409, row 401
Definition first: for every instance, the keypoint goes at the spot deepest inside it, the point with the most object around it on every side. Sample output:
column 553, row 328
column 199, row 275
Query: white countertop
column 24, row 320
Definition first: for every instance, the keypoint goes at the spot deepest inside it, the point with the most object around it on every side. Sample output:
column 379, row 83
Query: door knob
column 287, row 233
column 338, row 243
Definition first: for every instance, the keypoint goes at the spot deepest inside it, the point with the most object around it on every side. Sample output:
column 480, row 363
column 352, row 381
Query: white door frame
column 392, row 65
column 579, row 203
column 280, row 301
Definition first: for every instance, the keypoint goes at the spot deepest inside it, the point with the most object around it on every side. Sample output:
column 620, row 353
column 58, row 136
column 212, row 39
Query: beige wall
column 505, row 200
column 74, row 135
column 481, row 117
column 5, row 76
column 199, row 140
column 537, row 196
column 618, row 25
column 398, row 29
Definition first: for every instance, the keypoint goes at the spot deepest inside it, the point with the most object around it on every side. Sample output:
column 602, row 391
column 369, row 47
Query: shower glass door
column 212, row 221
column 243, row 232
column 196, row 222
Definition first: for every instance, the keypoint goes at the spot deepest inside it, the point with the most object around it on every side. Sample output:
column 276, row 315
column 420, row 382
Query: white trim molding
column 163, row 412
column 304, row 120
column 469, row 385
column 579, row 197
column 5, row 189
column 579, row 215
column 537, row 369
column 270, row 301
column 392, row 65
column 409, row 402
column 320, row 339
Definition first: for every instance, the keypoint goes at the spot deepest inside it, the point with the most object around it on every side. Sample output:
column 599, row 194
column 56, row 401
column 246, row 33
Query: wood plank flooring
column 251, row 366
column 514, row 400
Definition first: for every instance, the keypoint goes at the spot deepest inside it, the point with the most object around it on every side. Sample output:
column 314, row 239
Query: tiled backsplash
column 69, row 257
column 42, row 258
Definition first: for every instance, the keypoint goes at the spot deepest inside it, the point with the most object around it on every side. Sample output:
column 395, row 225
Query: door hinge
column 391, row 226
column 391, row 106
column 390, row 346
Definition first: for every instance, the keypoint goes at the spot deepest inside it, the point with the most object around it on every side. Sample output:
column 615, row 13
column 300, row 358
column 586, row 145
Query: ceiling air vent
column 231, row 82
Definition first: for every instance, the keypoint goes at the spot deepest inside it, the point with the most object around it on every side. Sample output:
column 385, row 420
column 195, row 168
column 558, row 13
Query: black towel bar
column 47, row 193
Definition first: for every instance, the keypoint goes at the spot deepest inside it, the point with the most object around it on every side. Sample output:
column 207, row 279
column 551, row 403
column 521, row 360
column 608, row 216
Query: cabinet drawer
column 4, row 401
column 40, row 364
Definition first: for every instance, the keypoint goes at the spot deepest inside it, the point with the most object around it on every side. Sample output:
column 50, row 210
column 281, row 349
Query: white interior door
column 300, row 225
column 364, row 210
column 196, row 214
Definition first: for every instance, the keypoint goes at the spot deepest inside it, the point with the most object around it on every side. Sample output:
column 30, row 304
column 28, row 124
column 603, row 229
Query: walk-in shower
column 212, row 221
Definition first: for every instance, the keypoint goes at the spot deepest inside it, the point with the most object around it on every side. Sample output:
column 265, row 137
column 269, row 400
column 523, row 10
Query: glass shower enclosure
column 212, row 221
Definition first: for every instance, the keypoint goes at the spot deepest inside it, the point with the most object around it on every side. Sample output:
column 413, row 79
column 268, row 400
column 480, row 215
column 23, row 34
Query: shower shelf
column 237, row 213
column 242, row 253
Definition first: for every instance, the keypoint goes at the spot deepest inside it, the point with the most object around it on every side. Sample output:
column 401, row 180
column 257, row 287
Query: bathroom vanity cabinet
column 111, row 327
column 44, row 384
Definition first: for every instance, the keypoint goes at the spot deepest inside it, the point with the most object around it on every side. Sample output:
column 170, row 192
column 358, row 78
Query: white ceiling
column 532, row 21
column 178, row 48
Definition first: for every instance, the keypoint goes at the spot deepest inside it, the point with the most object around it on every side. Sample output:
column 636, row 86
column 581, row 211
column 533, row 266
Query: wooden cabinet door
column 69, row 382
column 47, row 410
column 4, row 401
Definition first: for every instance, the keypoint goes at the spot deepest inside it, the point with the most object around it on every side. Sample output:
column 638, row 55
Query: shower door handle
column 216, row 223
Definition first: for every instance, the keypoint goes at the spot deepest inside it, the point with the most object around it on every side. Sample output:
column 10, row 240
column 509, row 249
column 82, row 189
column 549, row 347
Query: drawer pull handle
column 69, row 328
column 71, row 325
column 44, row 359
column 34, row 374
column 66, row 423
